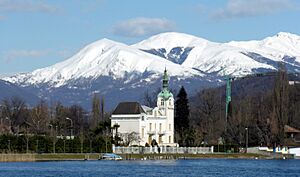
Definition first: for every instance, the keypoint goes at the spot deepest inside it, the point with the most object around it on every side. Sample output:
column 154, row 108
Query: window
column 149, row 139
column 169, row 139
column 170, row 102
column 150, row 126
column 160, row 139
column 169, row 126
column 162, row 102
column 155, row 126
column 143, row 118
column 143, row 131
column 160, row 127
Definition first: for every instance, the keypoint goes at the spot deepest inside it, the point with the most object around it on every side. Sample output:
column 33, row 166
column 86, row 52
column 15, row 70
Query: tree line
column 261, row 116
column 54, row 128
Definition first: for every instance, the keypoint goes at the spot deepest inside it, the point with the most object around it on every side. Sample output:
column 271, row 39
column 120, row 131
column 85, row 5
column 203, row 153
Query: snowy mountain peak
column 287, row 35
column 170, row 40
column 121, row 72
column 102, row 58
column 184, row 56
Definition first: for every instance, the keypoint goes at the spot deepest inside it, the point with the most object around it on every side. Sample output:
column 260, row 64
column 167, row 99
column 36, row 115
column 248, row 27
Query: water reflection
column 202, row 167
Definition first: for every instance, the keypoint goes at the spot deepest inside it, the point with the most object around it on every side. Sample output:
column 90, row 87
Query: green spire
column 165, row 80
column 165, row 93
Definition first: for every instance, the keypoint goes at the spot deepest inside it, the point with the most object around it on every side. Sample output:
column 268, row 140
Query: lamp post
column 37, row 136
column 64, row 145
column 71, row 129
column 246, row 129
column 9, row 145
column 7, row 118
column 53, row 136
column 9, row 122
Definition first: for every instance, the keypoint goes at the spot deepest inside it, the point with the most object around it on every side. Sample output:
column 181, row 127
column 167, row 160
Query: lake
column 199, row 167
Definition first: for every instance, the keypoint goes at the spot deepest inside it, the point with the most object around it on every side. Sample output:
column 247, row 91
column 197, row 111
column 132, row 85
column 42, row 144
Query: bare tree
column 14, row 110
column 149, row 98
column 129, row 138
column 39, row 117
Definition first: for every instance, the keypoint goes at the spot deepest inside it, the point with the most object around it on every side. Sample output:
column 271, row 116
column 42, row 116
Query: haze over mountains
column 122, row 72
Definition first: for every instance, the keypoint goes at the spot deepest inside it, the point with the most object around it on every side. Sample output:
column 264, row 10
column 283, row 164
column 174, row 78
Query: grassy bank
column 66, row 156
column 70, row 156
column 46, row 157
column 17, row 157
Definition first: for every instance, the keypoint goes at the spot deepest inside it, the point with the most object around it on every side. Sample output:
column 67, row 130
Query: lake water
column 203, row 167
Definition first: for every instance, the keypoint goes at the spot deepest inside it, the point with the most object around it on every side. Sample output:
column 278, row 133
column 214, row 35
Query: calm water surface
column 205, row 167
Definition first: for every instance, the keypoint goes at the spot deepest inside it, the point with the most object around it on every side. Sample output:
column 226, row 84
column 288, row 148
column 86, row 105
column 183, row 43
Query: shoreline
column 97, row 156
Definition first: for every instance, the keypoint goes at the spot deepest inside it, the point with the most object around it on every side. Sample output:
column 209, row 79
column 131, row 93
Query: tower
column 165, row 104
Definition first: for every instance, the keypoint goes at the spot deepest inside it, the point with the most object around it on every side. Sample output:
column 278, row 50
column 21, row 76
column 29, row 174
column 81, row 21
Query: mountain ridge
column 108, row 67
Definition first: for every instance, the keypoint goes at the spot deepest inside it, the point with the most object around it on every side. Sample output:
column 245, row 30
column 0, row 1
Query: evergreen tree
column 102, row 109
column 181, row 119
column 280, row 104
column 96, row 111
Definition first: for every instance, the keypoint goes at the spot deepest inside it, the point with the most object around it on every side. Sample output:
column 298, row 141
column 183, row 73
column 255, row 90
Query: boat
column 111, row 156
column 295, row 151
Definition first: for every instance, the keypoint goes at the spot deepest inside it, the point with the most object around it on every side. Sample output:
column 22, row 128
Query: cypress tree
column 96, row 111
column 182, row 112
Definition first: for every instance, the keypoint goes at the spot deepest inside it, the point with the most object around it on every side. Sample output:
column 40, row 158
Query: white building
column 146, row 123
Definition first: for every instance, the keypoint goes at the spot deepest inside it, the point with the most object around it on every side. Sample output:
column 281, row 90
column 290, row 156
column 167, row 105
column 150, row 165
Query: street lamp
column 9, row 121
column 71, row 132
column 7, row 118
column 37, row 135
column 9, row 145
column 246, row 139
column 53, row 136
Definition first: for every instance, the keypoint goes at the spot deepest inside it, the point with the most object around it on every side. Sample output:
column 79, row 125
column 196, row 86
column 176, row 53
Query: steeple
column 165, row 80
column 165, row 93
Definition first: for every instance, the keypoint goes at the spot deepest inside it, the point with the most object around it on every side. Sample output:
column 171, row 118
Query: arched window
column 162, row 102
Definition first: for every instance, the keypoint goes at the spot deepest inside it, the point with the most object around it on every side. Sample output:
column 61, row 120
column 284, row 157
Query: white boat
column 111, row 156
column 295, row 151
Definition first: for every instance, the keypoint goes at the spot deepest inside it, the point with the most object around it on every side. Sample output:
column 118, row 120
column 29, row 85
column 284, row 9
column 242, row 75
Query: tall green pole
column 228, row 95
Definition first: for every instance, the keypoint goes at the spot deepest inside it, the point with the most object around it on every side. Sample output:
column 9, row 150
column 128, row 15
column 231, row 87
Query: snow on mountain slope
column 172, row 46
column 102, row 58
column 121, row 72
column 223, row 60
column 170, row 40
column 209, row 57
column 184, row 56
column 275, row 47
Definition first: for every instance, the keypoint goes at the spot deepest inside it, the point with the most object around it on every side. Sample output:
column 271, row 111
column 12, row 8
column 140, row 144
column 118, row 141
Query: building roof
column 128, row 108
column 165, row 93
column 289, row 129
column 146, row 108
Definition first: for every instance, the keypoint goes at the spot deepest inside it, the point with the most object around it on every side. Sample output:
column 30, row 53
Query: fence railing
column 163, row 150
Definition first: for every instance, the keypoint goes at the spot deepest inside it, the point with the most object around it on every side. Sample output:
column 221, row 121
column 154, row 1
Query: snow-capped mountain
column 122, row 72
column 233, row 58
column 102, row 58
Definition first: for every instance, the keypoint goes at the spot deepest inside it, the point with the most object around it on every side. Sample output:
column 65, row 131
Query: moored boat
column 110, row 156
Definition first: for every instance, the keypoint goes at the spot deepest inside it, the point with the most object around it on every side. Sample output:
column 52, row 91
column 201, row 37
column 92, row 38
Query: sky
column 40, row 33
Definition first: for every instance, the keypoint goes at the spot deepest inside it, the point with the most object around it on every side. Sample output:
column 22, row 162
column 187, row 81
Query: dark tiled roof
column 289, row 129
column 128, row 108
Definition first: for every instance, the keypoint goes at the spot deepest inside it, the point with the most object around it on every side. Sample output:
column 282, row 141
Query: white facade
column 152, row 123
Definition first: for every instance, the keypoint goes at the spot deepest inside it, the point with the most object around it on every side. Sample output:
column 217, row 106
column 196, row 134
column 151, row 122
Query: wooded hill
column 263, row 105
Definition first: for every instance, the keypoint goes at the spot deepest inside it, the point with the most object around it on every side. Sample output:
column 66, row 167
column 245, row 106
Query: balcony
column 161, row 133
column 151, row 132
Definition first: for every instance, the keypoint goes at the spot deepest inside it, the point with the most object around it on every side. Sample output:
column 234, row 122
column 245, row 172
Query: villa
column 148, row 124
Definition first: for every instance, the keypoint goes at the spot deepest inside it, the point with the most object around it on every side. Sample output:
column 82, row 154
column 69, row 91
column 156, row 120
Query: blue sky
column 39, row 33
